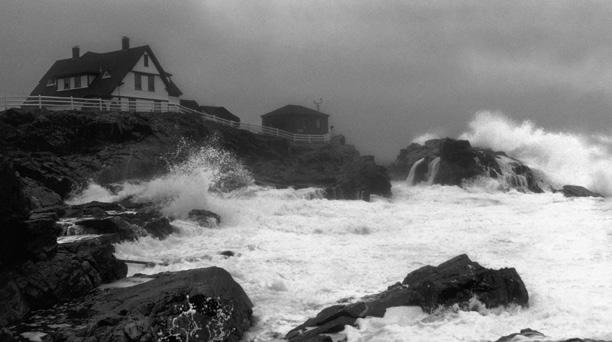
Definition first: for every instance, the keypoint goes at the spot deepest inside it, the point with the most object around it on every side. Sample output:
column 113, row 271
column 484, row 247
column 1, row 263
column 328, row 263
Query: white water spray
column 410, row 178
column 566, row 158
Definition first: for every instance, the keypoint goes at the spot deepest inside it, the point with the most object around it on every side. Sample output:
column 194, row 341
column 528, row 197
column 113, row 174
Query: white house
column 130, row 79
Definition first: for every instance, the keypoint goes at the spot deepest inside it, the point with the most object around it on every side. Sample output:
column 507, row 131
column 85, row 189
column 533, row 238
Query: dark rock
column 14, row 209
column 459, row 279
column 453, row 162
column 454, row 282
column 39, row 195
column 118, row 227
column 160, row 228
column 578, row 191
column 204, row 218
column 227, row 254
column 534, row 335
column 360, row 179
column 529, row 333
column 42, row 232
column 95, row 208
column 76, row 269
column 196, row 305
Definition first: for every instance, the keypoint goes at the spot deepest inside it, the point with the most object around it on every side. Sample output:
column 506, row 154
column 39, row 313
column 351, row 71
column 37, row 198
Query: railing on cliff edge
column 75, row 103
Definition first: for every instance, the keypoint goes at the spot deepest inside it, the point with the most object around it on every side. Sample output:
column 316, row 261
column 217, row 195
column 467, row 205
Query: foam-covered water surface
column 297, row 253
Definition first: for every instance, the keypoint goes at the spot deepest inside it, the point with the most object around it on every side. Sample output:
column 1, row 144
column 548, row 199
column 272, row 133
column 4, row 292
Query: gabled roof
column 294, row 110
column 116, row 63
column 220, row 112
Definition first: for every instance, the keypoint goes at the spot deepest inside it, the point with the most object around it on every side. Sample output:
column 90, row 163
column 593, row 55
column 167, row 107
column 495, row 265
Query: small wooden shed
column 297, row 119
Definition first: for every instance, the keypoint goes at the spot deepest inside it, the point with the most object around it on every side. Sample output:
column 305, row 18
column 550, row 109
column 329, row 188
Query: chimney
column 125, row 43
column 75, row 52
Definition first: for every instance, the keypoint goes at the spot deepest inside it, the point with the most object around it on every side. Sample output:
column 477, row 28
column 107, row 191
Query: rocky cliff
column 56, row 153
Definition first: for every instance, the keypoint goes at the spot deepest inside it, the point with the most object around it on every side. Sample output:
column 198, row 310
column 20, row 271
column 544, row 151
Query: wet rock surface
column 535, row 336
column 75, row 269
column 204, row 218
column 453, row 162
column 456, row 282
column 578, row 191
column 196, row 305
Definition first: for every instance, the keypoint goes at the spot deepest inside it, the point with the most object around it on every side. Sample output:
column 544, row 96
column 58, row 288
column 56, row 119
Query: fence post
column 39, row 102
column 100, row 103
column 71, row 103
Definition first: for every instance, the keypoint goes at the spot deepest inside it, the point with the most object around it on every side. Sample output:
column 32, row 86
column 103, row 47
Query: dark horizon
column 386, row 74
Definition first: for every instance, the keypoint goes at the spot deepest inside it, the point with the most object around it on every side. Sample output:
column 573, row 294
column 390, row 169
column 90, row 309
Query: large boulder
column 458, row 281
column 578, row 191
column 360, row 179
column 455, row 162
column 195, row 305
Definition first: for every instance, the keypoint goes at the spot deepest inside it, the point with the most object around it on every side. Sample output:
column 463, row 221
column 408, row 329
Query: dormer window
column 146, row 60
column 51, row 82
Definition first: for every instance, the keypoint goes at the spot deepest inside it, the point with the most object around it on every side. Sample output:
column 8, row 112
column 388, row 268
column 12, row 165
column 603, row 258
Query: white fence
column 92, row 104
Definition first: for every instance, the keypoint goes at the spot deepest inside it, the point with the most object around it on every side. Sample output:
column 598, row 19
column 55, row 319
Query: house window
column 318, row 123
column 146, row 60
column 132, row 104
column 67, row 83
column 77, row 82
column 151, row 82
column 137, row 81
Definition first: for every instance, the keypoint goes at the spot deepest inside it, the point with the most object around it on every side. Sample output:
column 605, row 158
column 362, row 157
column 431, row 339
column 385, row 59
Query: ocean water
column 297, row 253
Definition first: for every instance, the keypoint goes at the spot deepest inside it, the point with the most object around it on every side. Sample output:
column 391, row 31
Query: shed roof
column 116, row 63
column 289, row 110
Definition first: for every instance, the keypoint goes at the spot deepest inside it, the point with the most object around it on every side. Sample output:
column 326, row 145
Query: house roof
column 289, row 110
column 220, row 112
column 192, row 104
column 116, row 63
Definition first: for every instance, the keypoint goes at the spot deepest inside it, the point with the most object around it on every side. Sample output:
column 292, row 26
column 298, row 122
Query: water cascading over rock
column 456, row 162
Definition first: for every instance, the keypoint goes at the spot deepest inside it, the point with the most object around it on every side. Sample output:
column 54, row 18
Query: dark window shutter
column 151, row 82
column 137, row 81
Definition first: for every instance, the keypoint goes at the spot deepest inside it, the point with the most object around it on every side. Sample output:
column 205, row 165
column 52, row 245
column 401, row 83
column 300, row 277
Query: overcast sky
column 387, row 70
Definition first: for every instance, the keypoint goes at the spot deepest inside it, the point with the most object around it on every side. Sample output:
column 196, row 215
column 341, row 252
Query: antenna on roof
column 318, row 104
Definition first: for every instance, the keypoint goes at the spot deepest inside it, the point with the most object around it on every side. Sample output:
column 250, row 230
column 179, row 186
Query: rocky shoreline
column 50, row 283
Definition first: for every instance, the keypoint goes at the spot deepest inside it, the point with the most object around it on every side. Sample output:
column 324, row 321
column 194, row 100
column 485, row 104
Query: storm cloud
column 387, row 70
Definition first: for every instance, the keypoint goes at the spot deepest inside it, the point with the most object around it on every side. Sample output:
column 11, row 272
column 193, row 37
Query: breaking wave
column 566, row 158
column 187, row 185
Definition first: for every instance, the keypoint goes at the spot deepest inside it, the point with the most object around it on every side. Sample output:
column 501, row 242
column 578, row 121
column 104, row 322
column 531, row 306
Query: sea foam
column 565, row 158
